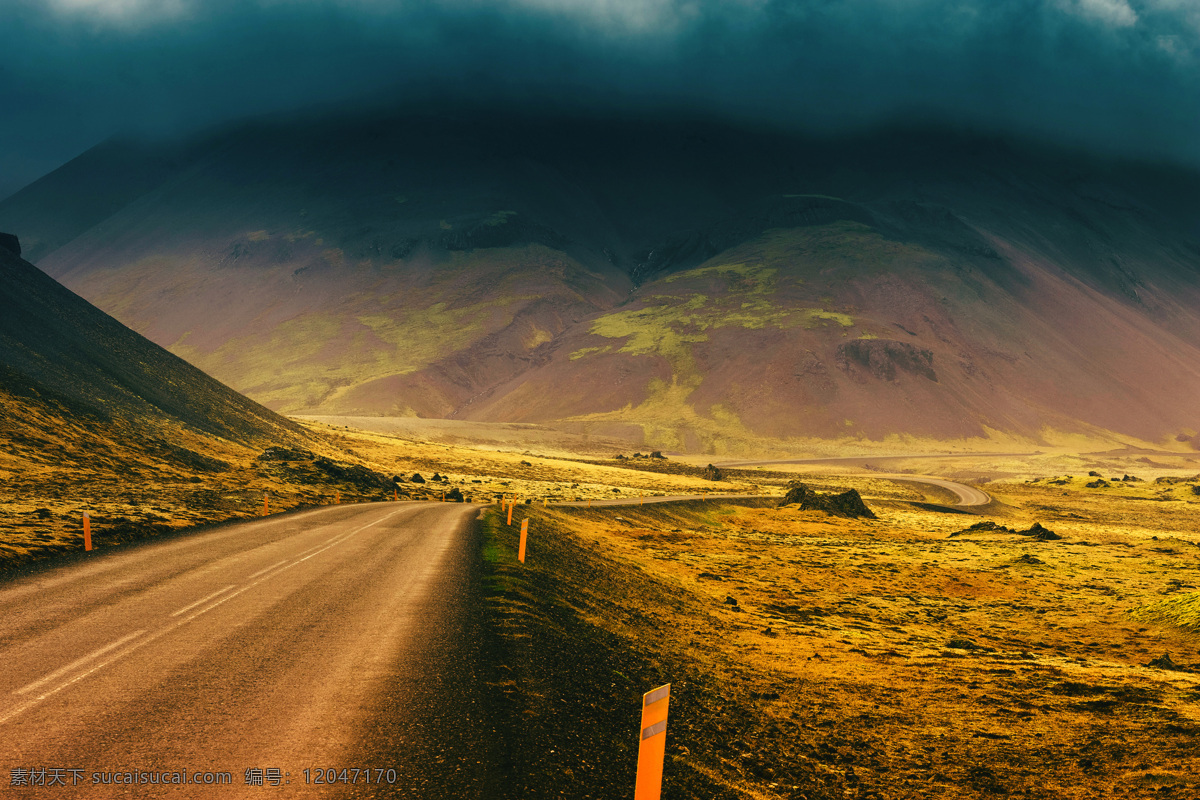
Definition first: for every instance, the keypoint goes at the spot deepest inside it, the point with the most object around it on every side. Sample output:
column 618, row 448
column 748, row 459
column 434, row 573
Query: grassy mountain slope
column 98, row 418
column 695, row 285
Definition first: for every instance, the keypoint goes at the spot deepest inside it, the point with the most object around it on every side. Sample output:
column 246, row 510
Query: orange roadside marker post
column 524, row 535
column 266, row 507
column 87, row 531
column 653, row 747
column 510, row 508
column 395, row 493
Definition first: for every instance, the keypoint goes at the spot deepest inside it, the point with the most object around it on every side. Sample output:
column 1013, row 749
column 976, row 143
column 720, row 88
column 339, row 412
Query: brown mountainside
column 58, row 349
column 86, row 401
column 698, row 286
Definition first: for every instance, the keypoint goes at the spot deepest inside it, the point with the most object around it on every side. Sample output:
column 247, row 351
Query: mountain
column 682, row 282
column 83, row 395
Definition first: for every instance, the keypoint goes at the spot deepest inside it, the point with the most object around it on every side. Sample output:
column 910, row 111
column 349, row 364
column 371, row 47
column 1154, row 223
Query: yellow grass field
column 880, row 658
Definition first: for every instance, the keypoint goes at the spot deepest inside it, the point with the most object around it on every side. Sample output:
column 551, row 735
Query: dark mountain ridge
column 685, row 281
column 56, row 347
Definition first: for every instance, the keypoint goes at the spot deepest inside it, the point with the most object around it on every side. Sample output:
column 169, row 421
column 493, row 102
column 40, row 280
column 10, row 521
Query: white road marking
column 202, row 600
column 268, row 569
column 165, row 630
column 79, row 662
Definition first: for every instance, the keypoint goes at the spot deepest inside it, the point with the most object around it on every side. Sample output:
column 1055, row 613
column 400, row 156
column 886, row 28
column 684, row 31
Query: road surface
column 874, row 458
column 674, row 498
column 344, row 637
column 967, row 495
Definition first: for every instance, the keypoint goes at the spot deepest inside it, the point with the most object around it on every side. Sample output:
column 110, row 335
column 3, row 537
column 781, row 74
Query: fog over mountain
column 1113, row 75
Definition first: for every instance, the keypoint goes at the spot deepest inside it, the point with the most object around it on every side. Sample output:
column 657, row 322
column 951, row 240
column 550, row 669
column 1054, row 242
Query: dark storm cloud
column 1111, row 74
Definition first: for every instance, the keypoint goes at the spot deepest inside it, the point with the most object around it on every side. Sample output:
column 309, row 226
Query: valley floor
column 875, row 658
column 810, row 655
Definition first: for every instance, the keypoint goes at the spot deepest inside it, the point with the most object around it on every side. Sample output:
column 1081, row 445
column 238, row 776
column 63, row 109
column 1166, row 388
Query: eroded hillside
column 687, row 286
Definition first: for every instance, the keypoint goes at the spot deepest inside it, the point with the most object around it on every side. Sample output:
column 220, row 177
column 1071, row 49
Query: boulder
column 987, row 526
column 797, row 493
column 1166, row 662
column 1036, row 531
column 1040, row 533
column 847, row 504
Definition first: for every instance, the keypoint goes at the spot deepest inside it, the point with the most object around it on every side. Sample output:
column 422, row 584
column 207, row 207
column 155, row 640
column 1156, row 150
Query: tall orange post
column 510, row 508
column 395, row 493
column 87, row 531
column 524, row 535
column 338, row 498
column 653, row 747
column 266, row 507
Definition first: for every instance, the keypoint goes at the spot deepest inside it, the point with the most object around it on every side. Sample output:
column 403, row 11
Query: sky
column 1117, row 76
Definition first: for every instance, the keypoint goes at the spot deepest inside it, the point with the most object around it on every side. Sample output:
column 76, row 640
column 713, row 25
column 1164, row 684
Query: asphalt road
column 345, row 637
column 967, row 495
column 674, row 498
column 872, row 459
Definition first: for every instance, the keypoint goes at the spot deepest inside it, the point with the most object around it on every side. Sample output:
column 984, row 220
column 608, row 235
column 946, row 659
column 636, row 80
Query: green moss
column 583, row 352
column 495, row 551
column 826, row 250
column 815, row 315
column 656, row 330
column 754, row 276
column 743, row 278
column 388, row 328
